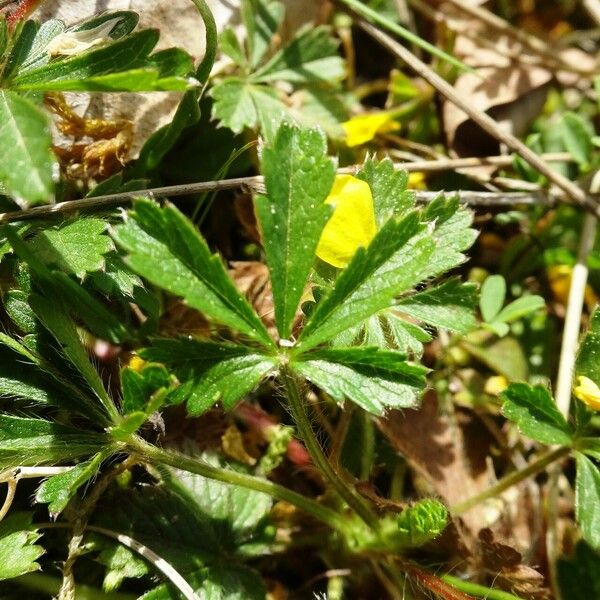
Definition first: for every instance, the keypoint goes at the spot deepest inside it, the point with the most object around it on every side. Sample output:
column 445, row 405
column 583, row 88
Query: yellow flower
column 559, row 278
column 416, row 180
column 588, row 392
column 136, row 363
column 363, row 128
column 352, row 224
column 495, row 385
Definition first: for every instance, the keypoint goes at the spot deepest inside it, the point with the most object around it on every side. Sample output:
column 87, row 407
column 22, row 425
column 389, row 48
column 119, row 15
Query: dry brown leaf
column 449, row 456
column 505, row 565
column 252, row 279
column 508, row 83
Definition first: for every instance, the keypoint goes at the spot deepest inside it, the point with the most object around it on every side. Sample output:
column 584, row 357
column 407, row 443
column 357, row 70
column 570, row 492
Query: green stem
column 373, row 16
column 180, row 461
column 511, row 479
column 210, row 52
column 300, row 416
column 479, row 591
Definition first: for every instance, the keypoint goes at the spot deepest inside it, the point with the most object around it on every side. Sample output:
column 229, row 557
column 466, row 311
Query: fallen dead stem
column 256, row 183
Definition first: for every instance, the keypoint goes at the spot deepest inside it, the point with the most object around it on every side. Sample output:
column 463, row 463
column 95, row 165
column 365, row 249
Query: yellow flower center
column 588, row 392
column 352, row 224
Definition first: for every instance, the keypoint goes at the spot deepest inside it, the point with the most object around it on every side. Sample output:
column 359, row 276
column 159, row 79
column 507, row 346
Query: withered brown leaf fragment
column 106, row 143
column 504, row 564
column 448, row 455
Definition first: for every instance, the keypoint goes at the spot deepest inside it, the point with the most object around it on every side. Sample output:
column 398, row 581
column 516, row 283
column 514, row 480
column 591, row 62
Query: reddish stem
column 435, row 584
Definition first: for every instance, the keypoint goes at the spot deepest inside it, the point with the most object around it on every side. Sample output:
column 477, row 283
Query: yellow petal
column 352, row 224
column 363, row 128
column 588, row 392
column 495, row 385
column 416, row 180
column 136, row 363
column 559, row 278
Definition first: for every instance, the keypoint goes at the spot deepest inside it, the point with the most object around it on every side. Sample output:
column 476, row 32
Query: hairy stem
column 298, row 409
column 149, row 453
column 511, row 479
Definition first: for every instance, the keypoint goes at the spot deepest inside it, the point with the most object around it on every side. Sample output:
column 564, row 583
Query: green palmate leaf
column 115, row 279
column 236, row 512
column 18, row 549
column 94, row 314
column 310, row 56
column 534, row 411
column 134, row 80
column 77, row 247
column 374, row 379
column 587, row 500
column 231, row 47
column 262, row 19
column 210, row 372
column 317, row 105
column 127, row 53
column 579, row 576
column 239, row 105
column 588, row 358
column 493, row 293
column 197, row 526
column 59, row 489
column 26, row 170
column 58, row 323
column 21, row 48
column 217, row 582
column 388, row 186
column 450, row 305
column 298, row 177
column 452, row 234
column 139, row 387
column 394, row 261
column 163, row 246
column 21, row 379
column 405, row 337
column 121, row 563
column 37, row 442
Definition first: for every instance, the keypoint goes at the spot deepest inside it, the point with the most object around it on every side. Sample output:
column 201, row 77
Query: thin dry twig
column 256, row 184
